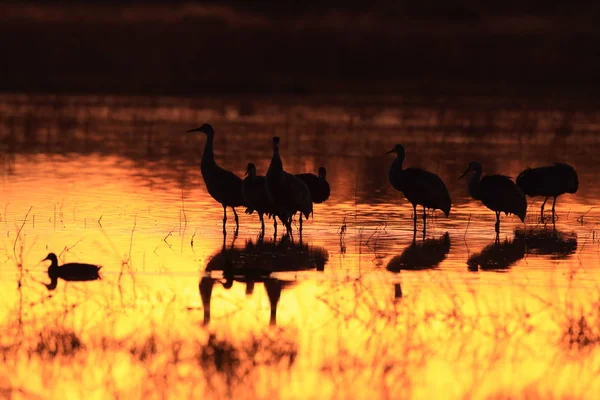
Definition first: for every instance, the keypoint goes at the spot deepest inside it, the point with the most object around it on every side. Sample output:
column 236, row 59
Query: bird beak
column 247, row 173
column 389, row 152
column 194, row 130
column 464, row 173
column 45, row 259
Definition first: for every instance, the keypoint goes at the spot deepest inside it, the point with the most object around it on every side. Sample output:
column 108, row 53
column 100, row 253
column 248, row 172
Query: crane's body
column 224, row 186
column 497, row 192
column 548, row 181
column 420, row 187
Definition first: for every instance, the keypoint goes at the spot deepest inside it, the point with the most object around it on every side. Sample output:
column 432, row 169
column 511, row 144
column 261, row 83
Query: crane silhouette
column 317, row 184
column 224, row 186
column 549, row 181
column 420, row 187
column 255, row 194
column 497, row 192
column 74, row 272
column 288, row 193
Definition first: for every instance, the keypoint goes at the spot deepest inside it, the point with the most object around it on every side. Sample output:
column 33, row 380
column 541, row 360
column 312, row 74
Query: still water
column 353, row 309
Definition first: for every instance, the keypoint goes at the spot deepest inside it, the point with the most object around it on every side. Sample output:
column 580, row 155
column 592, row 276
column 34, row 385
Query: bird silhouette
column 548, row 242
column 224, row 186
column 288, row 193
column 257, row 199
column 549, row 181
column 255, row 263
column 497, row 192
column 498, row 256
column 421, row 255
column 71, row 272
column 420, row 187
column 317, row 184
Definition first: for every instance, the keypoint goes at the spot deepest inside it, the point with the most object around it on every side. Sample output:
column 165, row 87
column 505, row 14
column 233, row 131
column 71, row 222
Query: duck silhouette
column 71, row 272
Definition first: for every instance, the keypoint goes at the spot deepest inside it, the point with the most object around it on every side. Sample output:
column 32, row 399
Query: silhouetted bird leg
column 224, row 219
column 542, row 212
column 300, row 223
column 237, row 223
column 414, row 218
column 553, row 205
column 424, row 221
column 414, row 237
column 397, row 291
column 497, row 223
column 262, row 223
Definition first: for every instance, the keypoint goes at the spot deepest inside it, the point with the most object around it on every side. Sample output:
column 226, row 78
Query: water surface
column 354, row 309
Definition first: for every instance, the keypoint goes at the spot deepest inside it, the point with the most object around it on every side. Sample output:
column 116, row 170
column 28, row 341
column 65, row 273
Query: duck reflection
column 498, row 255
column 548, row 242
column 422, row 255
column 255, row 263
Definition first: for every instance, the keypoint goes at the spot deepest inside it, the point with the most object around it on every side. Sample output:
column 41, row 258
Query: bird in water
column 224, row 186
column 255, row 195
column 77, row 272
column 317, row 184
column 420, row 187
column 497, row 192
column 288, row 193
column 550, row 181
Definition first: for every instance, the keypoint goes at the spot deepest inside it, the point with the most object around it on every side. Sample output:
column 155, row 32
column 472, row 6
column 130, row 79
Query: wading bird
column 317, row 184
column 254, row 191
column 420, row 187
column 550, row 181
column 70, row 272
column 224, row 186
column 287, row 192
column 497, row 192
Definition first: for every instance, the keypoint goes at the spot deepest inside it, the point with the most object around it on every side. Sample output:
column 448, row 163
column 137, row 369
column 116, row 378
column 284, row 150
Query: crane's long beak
column 464, row 173
column 390, row 152
column 45, row 259
column 194, row 130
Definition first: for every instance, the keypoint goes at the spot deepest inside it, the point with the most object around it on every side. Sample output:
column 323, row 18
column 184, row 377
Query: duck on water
column 71, row 272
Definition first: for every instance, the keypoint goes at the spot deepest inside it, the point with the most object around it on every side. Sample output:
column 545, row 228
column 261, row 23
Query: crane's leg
column 224, row 219
column 414, row 218
column 542, row 212
column 397, row 291
column 424, row 221
column 275, row 225
column 497, row 223
column 553, row 205
column 300, row 223
column 237, row 223
column 262, row 223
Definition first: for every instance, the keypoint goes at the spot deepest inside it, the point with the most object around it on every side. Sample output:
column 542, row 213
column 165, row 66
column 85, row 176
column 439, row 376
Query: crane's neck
column 475, row 185
column 399, row 161
column 208, row 157
column 276, row 163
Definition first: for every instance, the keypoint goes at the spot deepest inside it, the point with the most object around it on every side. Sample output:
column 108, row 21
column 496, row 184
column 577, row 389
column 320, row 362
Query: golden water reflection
column 358, row 308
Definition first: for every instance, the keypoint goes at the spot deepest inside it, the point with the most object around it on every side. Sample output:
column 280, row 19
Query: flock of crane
column 282, row 195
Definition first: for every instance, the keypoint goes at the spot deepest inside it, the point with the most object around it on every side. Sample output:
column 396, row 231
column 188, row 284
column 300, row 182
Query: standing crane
column 550, row 181
column 287, row 192
column 420, row 187
column 224, row 186
column 497, row 192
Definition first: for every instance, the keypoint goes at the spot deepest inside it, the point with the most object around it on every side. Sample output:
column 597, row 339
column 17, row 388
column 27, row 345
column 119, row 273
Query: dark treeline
column 454, row 48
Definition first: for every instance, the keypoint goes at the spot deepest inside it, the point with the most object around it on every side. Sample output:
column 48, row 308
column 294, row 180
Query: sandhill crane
column 550, row 181
column 287, row 192
column 497, row 192
column 224, row 186
column 420, row 187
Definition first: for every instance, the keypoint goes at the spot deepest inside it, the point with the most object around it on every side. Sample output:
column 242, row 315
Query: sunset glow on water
column 115, row 181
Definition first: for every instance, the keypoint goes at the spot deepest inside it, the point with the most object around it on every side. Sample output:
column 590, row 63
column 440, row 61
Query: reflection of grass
column 446, row 337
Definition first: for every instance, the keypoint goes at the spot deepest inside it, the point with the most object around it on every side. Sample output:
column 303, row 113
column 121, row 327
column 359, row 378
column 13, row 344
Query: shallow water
column 359, row 310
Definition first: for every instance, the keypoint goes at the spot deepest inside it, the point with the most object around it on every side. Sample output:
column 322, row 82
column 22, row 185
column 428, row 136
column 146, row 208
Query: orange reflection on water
column 366, row 313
